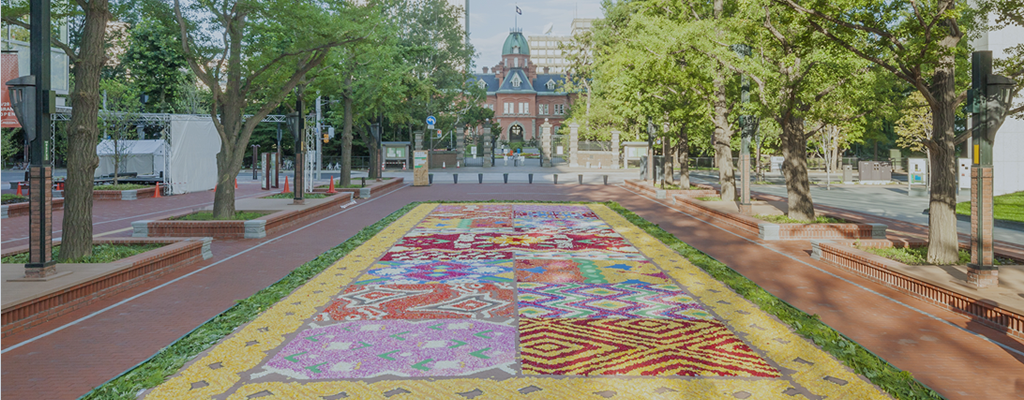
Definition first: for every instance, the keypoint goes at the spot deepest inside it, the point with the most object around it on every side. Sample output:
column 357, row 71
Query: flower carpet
column 495, row 300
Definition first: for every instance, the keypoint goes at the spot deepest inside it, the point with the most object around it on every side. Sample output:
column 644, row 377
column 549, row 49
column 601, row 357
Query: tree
column 915, row 126
column 82, row 130
column 919, row 42
column 156, row 65
column 263, row 51
column 120, row 114
column 10, row 146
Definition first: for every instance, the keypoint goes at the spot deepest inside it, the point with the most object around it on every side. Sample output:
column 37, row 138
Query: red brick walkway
column 944, row 350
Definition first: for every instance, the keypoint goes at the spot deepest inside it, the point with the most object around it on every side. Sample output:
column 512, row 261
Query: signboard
column 965, row 173
column 558, row 150
column 918, row 169
column 420, row 168
column 431, row 121
column 10, row 71
column 472, row 150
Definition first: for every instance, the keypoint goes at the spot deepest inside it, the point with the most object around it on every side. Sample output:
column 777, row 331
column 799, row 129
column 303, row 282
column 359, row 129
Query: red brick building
column 521, row 96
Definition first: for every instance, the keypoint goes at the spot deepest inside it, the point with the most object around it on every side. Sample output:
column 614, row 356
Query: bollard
column 531, row 178
column 364, row 181
column 505, row 176
column 599, row 165
column 430, row 179
column 606, row 180
column 581, row 178
column 588, row 164
column 556, row 178
column 456, row 178
column 480, row 178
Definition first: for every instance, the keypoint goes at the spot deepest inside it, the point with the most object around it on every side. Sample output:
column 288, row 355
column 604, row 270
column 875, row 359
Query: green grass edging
column 101, row 253
column 784, row 219
column 208, row 216
column 169, row 360
column 123, row 186
column 292, row 196
column 9, row 198
column 900, row 384
column 1009, row 207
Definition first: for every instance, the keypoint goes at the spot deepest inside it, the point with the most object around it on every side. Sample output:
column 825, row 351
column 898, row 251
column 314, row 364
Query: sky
column 490, row 21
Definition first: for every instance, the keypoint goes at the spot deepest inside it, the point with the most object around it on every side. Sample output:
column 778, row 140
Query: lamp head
column 23, row 101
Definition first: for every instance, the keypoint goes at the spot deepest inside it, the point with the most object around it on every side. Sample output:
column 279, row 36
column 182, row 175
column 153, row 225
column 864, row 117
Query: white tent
column 143, row 157
column 193, row 160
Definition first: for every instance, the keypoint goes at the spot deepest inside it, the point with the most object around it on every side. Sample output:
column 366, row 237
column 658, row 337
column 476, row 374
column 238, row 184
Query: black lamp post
column 32, row 101
column 295, row 122
column 255, row 159
column 375, row 132
column 650, row 151
column 989, row 98
column 747, row 127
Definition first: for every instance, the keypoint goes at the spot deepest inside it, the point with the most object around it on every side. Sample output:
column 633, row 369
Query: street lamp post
column 375, row 132
column 747, row 127
column 295, row 121
column 255, row 160
column 32, row 101
column 650, row 151
column 990, row 96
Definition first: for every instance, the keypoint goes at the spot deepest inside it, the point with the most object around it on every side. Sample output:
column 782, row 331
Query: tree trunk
column 82, row 131
column 683, row 156
column 372, row 151
column 794, row 168
column 346, row 136
column 224, row 194
column 942, row 236
column 722, row 139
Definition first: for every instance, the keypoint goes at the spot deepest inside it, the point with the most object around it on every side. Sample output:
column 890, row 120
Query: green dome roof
column 515, row 38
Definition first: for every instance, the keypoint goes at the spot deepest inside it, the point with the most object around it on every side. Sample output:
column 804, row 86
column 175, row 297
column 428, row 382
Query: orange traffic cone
column 286, row 188
column 330, row 188
column 19, row 189
column 156, row 193
column 236, row 183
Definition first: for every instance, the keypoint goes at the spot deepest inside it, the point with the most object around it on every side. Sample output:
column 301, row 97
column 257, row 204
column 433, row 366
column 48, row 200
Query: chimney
column 547, row 70
column 485, row 70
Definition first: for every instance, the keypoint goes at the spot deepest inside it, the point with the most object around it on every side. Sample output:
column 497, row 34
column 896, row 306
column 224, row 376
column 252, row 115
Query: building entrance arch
column 515, row 133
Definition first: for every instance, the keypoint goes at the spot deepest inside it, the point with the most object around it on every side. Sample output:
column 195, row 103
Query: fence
column 812, row 163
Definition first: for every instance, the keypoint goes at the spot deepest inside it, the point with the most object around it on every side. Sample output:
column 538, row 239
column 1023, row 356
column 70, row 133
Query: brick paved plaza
column 503, row 300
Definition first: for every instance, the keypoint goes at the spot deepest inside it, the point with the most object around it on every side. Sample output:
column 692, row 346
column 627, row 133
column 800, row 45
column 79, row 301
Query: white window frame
column 516, row 80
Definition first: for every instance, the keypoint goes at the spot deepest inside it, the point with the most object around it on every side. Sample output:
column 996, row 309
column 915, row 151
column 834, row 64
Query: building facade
column 522, row 94
column 546, row 50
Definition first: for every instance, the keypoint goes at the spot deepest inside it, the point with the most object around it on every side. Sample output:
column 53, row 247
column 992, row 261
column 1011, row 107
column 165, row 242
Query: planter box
column 773, row 231
column 88, row 283
column 650, row 190
column 20, row 209
column 251, row 229
column 883, row 270
column 133, row 194
column 372, row 188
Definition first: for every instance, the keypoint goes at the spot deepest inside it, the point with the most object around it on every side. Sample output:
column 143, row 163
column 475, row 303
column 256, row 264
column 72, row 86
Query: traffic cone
column 19, row 189
column 286, row 189
column 156, row 193
column 403, row 166
column 456, row 164
column 236, row 183
column 443, row 166
column 330, row 188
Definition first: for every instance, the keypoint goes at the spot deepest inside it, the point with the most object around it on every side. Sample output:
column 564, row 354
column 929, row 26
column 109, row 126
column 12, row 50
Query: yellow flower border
column 244, row 350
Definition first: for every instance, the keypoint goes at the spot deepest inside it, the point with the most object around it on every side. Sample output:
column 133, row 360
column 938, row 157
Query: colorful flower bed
column 463, row 292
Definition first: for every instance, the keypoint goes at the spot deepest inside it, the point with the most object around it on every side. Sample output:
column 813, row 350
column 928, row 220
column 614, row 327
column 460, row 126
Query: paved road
column 884, row 201
column 947, row 351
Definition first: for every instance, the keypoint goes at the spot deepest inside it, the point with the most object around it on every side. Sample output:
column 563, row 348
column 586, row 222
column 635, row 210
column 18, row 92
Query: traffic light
column 326, row 138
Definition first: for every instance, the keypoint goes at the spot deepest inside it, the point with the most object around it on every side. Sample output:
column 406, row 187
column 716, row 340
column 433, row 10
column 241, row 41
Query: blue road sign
column 431, row 120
